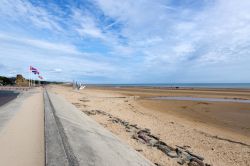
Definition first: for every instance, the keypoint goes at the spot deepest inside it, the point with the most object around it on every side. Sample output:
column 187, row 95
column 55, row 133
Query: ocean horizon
column 182, row 85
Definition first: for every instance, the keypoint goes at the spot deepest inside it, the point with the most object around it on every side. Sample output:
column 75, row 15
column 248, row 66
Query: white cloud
column 52, row 65
column 54, row 61
column 66, row 48
column 218, row 27
column 24, row 11
column 87, row 25
column 57, row 70
column 140, row 37
column 183, row 49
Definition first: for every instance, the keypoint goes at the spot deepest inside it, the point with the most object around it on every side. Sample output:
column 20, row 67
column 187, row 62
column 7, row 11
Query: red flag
column 34, row 70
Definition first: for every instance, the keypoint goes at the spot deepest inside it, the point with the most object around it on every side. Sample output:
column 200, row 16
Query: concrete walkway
column 87, row 143
column 8, row 110
column 22, row 131
column 67, row 137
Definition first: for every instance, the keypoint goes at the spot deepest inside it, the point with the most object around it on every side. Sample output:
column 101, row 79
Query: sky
column 127, row 41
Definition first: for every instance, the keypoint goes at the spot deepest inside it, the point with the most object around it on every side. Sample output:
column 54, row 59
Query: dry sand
column 22, row 138
column 217, row 131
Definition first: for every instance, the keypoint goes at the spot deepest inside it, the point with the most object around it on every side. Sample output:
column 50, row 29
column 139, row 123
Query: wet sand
column 218, row 131
column 230, row 116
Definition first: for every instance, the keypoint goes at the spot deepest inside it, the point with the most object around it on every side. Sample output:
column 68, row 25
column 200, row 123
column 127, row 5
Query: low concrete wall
column 83, row 140
column 55, row 154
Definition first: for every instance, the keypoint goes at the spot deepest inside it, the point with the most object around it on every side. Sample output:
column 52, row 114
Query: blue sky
column 127, row 41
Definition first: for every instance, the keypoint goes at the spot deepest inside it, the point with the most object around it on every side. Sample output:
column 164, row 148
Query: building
column 21, row 81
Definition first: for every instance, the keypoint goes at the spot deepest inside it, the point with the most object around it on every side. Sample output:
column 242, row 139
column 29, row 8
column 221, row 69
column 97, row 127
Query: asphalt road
column 6, row 96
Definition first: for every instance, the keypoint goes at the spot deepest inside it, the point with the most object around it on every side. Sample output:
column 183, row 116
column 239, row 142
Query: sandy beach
column 217, row 131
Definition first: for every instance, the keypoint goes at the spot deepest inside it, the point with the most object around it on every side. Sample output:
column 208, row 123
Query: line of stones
column 180, row 153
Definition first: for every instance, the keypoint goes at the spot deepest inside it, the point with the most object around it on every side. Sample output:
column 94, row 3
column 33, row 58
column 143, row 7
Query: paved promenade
column 42, row 128
column 22, row 131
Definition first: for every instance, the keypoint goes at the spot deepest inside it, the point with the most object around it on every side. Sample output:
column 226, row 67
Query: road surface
column 41, row 128
column 22, row 131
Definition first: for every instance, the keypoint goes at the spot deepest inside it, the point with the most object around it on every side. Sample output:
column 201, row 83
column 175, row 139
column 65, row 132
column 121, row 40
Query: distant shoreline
column 182, row 85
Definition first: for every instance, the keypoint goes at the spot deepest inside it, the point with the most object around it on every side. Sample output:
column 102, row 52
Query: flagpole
column 32, row 80
column 29, row 77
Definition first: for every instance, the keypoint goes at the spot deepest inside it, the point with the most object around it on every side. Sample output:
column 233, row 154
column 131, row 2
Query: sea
column 184, row 85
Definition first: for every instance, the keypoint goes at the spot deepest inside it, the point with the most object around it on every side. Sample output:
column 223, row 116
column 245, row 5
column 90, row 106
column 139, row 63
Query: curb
column 57, row 149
